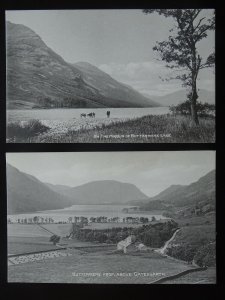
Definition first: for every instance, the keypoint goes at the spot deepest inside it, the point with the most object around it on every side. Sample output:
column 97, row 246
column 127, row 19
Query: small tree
column 180, row 50
column 54, row 239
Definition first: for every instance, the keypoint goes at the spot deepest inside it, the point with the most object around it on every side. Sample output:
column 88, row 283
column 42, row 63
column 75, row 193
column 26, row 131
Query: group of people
column 92, row 114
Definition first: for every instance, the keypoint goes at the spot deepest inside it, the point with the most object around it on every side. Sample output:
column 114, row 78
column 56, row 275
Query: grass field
column 80, row 267
column 20, row 245
column 33, row 238
column 203, row 277
column 195, row 235
column 31, row 230
column 29, row 238
column 147, row 129
column 195, row 220
column 90, row 258
column 59, row 229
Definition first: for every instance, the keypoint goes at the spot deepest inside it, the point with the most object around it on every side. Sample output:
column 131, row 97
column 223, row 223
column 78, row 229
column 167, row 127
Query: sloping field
column 20, row 245
column 197, row 234
column 204, row 277
column 28, row 230
column 28, row 238
column 97, row 267
column 59, row 229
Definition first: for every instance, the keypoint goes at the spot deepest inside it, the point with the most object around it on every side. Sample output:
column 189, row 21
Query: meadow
column 21, row 245
column 165, row 128
column 108, row 267
column 204, row 277
column 104, row 260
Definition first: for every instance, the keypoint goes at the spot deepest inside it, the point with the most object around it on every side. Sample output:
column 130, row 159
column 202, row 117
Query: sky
column 119, row 42
column 150, row 171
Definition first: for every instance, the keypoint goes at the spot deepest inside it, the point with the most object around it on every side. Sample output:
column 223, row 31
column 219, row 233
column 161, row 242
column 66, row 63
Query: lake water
column 74, row 113
column 86, row 211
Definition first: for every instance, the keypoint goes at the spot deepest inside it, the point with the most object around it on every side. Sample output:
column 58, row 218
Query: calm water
column 74, row 113
column 86, row 211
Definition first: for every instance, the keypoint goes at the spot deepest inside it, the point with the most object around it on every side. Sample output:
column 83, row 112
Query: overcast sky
column 151, row 172
column 119, row 42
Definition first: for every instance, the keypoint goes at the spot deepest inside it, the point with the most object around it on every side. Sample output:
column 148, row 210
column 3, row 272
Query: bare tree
column 180, row 50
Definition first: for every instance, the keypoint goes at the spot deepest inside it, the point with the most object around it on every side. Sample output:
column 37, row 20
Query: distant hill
column 201, row 191
column 111, row 88
column 37, row 77
column 101, row 192
column 25, row 193
column 181, row 96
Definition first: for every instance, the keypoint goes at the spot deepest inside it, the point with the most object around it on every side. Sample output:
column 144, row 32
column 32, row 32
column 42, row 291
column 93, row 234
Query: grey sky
column 117, row 41
column 152, row 172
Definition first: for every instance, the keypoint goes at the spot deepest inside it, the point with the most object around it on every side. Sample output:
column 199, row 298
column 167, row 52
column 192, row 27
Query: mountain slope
column 37, row 77
column 111, row 88
column 101, row 192
column 25, row 193
column 202, row 190
column 181, row 96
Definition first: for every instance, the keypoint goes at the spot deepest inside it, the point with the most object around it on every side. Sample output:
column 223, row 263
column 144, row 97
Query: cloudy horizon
column 152, row 172
column 119, row 42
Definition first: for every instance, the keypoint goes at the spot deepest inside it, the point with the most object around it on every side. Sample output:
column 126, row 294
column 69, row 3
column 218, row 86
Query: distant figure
column 108, row 113
column 83, row 115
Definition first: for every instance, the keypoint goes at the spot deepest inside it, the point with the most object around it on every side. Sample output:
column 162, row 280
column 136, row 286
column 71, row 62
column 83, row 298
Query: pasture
column 31, row 237
column 96, row 267
column 28, row 230
column 203, row 277
column 20, row 245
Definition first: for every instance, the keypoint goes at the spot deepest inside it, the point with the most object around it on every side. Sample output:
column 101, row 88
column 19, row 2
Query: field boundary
column 178, row 275
column 36, row 252
column 60, row 248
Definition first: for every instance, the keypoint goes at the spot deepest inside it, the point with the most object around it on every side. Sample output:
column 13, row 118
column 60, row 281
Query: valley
column 177, row 235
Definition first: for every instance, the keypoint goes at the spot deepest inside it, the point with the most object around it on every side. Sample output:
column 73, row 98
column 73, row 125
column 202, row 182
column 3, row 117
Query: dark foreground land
column 147, row 129
column 96, row 266
column 87, row 262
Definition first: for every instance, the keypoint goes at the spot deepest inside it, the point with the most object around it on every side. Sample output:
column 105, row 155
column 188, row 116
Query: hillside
column 26, row 193
column 37, row 77
column 181, row 96
column 101, row 192
column 111, row 88
column 201, row 193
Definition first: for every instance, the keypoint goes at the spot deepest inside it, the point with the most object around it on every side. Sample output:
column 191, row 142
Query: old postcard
column 112, row 217
column 110, row 76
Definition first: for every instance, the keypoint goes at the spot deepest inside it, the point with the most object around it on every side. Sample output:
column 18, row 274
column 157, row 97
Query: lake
column 68, row 114
column 86, row 211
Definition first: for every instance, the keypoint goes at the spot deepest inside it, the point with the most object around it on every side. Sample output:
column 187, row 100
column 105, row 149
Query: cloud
column 147, row 77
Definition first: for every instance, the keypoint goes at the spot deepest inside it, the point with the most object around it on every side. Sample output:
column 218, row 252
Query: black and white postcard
column 110, row 76
column 111, row 217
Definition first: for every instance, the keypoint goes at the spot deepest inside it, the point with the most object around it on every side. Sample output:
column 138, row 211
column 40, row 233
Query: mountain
column 111, row 88
column 201, row 191
column 37, row 77
column 25, row 193
column 101, row 192
column 181, row 95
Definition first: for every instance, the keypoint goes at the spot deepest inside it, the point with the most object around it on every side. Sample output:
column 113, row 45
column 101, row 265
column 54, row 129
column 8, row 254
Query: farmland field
column 20, row 245
column 85, row 267
column 203, row 277
column 31, row 230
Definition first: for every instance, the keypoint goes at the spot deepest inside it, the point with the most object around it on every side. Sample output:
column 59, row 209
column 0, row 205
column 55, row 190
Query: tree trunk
column 194, row 98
